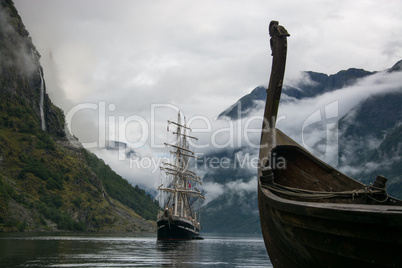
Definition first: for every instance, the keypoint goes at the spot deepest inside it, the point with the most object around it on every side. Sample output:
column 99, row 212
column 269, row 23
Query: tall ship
column 178, row 193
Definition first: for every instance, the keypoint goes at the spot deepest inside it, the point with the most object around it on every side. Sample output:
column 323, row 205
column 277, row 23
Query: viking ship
column 311, row 214
column 179, row 220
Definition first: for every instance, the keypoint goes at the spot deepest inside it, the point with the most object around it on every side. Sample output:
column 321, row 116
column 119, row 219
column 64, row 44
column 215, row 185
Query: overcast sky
column 199, row 56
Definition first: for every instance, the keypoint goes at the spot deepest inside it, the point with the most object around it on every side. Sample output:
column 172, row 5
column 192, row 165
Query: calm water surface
column 127, row 250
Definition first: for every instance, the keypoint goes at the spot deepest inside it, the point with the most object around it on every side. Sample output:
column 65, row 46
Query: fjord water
column 129, row 250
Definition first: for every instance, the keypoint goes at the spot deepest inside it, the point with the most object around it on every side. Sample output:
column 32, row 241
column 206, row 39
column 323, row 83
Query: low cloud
column 212, row 191
column 333, row 105
column 218, row 136
column 239, row 190
column 142, row 170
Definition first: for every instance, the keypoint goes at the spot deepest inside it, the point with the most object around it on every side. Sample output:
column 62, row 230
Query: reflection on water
column 128, row 250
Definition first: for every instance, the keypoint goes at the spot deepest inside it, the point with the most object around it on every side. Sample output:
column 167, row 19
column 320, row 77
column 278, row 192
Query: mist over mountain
column 48, row 181
column 351, row 120
column 310, row 85
column 370, row 141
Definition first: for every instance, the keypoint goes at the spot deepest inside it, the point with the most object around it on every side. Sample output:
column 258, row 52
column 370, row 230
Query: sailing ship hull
column 176, row 229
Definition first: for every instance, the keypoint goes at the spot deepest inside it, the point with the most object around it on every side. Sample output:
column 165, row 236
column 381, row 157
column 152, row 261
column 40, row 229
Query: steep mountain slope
column 48, row 182
column 370, row 141
column 234, row 207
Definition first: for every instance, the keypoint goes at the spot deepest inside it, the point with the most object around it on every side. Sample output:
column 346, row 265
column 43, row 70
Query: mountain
column 369, row 136
column 48, row 181
column 311, row 85
column 396, row 68
column 233, row 206
column 373, row 129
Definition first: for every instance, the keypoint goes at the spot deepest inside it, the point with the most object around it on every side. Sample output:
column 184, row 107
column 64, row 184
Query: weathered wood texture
column 339, row 231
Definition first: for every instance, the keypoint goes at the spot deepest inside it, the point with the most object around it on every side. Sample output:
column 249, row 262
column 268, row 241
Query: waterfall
column 42, row 92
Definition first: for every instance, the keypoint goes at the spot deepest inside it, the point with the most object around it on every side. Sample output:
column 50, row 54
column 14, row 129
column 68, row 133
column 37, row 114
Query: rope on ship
column 367, row 191
column 378, row 188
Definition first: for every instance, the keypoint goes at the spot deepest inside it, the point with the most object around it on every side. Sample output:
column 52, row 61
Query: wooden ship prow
column 311, row 214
